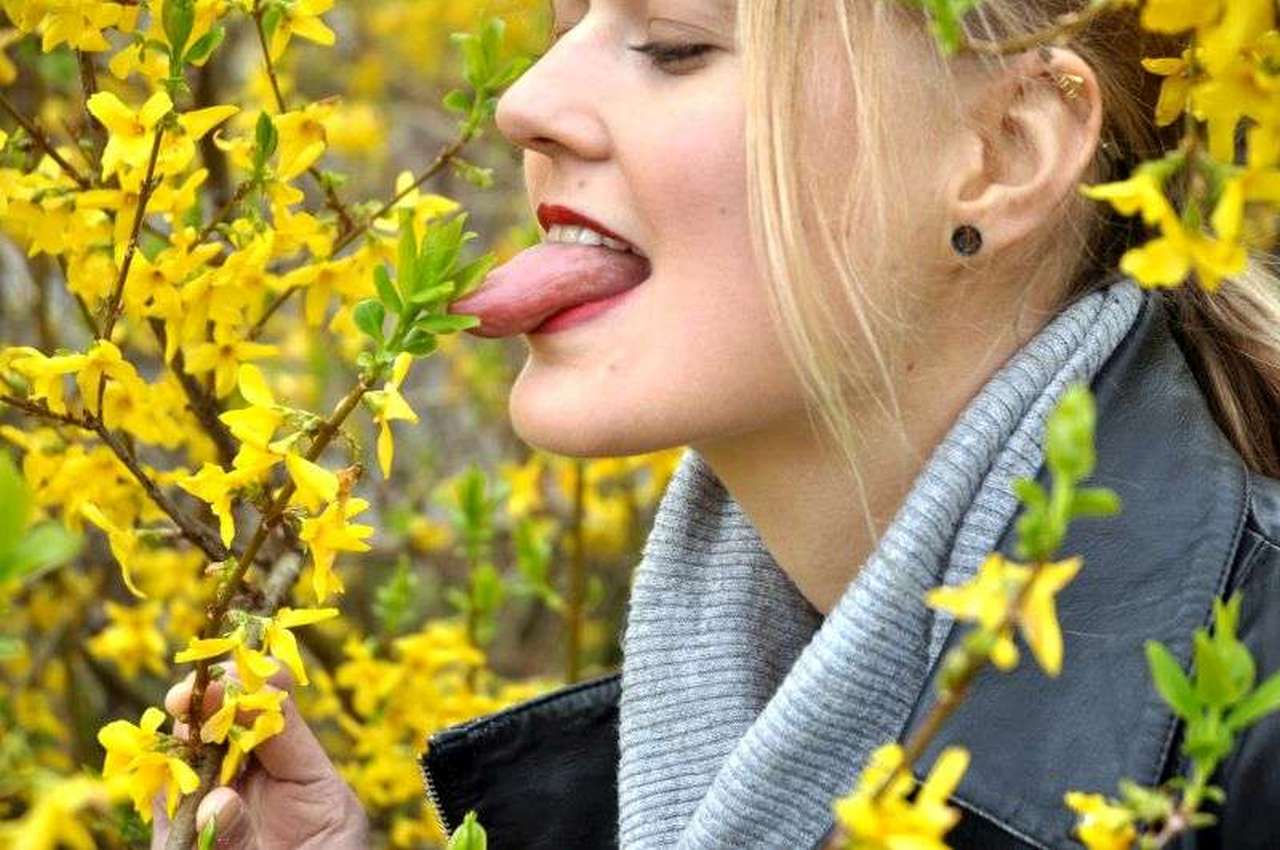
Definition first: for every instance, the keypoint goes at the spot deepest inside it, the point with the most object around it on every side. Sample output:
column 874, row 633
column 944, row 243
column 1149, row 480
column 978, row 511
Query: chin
column 571, row 426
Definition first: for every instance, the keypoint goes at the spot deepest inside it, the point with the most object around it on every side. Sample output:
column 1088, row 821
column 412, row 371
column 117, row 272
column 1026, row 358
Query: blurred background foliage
column 496, row 571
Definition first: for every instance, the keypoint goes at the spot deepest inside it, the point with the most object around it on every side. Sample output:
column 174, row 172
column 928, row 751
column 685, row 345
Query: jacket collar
column 1151, row 571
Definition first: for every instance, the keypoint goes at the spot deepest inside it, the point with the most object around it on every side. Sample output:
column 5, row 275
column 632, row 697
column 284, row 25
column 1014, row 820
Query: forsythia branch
column 43, row 141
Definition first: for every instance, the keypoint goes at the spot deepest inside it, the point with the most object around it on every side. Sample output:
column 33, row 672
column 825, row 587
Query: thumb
column 234, row 829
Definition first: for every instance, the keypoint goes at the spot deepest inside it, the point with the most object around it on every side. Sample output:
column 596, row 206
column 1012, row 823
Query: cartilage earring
column 966, row 239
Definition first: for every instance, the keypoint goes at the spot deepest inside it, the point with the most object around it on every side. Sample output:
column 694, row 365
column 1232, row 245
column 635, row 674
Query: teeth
column 584, row 236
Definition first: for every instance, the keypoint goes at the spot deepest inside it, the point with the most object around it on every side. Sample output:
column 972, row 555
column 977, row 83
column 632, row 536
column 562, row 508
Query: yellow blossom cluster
column 1229, row 73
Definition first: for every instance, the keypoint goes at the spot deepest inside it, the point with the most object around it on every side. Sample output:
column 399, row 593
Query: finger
column 234, row 828
column 160, row 826
column 294, row 754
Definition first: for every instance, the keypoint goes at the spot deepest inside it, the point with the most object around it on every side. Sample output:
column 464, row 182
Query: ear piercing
column 1071, row 84
column 966, row 240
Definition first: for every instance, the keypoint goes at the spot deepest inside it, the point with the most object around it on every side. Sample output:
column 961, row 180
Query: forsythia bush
column 206, row 228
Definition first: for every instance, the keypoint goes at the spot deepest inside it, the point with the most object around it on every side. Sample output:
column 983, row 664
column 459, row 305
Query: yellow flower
column 525, row 481
column 888, row 821
column 1174, row 16
column 302, row 137
column 252, row 666
column 46, row 375
column 302, row 18
column 104, row 360
column 1141, row 193
column 987, row 599
column 281, row 643
column 316, row 486
column 56, row 817
column 388, row 404
column 131, row 640
column 131, row 133
column 1102, row 826
column 1176, row 88
column 134, row 752
column 79, row 23
column 219, row 727
column 216, row 486
column 178, row 147
column 224, row 355
column 8, row 71
column 124, row 543
column 330, row 533
column 257, row 423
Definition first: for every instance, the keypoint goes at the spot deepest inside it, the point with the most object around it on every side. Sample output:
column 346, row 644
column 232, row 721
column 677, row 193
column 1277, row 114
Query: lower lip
column 584, row 312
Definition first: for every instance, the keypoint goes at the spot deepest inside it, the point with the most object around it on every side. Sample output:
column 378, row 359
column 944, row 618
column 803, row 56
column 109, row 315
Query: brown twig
column 89, row 85
column 203, row 405
column 348, row 236
column 1063, row 27
column 183, row 832
column 200, row 536
column 144, row 195
column 576, row 580
column 331, row 197
column 43, row 141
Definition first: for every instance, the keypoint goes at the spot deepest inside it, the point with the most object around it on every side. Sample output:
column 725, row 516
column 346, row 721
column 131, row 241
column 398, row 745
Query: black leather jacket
column 1195, row 524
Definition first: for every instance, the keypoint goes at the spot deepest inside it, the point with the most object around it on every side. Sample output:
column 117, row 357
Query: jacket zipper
column 434, row 798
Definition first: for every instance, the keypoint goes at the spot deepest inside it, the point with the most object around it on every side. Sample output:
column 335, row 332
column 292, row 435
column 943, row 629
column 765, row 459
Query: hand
column 288, row 795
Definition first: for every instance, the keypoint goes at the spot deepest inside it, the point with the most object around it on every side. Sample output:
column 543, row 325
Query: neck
column 801, row 495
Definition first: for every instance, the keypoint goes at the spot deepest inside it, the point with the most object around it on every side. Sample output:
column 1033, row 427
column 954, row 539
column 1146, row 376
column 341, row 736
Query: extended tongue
column 545, row 279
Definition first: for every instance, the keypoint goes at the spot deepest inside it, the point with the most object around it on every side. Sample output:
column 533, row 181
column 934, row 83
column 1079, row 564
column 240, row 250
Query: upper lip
column 551, row 214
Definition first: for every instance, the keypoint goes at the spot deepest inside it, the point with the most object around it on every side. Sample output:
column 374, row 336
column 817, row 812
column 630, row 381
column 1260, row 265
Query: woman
column 858, row 392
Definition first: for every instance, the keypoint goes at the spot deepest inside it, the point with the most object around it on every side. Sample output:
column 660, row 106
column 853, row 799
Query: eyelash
column 659, row 52
column 662, row 52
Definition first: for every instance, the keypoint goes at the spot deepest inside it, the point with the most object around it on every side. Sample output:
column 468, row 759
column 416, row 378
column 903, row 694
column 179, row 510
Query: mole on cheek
column 724, row 211
column 582, row 184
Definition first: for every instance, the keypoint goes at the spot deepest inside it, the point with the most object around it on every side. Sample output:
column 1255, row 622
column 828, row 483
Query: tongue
column 540, row 281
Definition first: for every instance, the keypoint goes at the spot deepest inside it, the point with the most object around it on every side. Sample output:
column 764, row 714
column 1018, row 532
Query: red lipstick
column 551, row 214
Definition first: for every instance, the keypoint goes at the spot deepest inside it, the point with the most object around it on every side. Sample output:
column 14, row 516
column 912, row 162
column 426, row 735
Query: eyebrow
column 723, row 10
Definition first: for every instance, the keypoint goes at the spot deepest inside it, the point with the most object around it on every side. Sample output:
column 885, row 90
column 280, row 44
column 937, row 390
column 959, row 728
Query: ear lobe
column 1031, row 142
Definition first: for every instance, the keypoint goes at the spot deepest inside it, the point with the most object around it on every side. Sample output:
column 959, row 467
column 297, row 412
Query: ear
column 1025, row 147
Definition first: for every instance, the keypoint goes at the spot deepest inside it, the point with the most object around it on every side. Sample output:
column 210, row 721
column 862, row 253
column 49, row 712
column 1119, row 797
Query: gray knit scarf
column 744, row 713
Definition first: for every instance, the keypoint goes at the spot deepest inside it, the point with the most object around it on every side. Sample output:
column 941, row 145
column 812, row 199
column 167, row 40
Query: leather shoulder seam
column 1265, row 531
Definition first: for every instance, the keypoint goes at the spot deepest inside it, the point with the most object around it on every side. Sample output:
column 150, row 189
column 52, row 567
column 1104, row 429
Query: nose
column 554, row 107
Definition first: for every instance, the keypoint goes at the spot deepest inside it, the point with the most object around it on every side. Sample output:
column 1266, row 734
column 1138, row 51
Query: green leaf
column 16, row 501
column 1069, row 448
column 432, row 294
column 369, row 316
column 1207, row 738
column 1260, row 702
column 449, row 323
column 11, row 648
column 470, row 276
column 209, row 835
column 1094, row 501
column 178, row 17
column 1224, row 670
column 44, row 547
column 271, row 20
column 205, row 45
column 1172, row 684
column 457, row 101
column 387, row 289
column 419, row 343
column 469, row 836
column 265, row 139
column 407, row 255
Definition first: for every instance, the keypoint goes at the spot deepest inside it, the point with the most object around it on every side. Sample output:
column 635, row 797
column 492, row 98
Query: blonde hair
column 802, row 229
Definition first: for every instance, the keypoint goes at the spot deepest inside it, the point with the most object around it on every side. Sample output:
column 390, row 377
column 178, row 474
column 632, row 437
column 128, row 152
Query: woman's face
column 652, row 149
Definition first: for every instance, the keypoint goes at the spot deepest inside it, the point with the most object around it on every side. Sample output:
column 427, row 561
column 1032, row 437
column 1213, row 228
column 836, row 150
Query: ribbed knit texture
column 744, row 713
